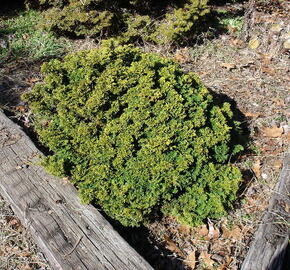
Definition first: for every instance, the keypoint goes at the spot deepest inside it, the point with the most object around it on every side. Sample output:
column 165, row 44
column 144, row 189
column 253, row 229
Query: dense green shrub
column 136, row 134
column 180, row 25
column 168, row 21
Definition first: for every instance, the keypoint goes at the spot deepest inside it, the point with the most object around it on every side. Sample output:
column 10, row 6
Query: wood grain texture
column 72, row 236
column 268, row 248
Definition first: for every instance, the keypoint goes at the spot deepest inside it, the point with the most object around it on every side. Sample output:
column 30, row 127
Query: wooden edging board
column 71, row 235
column 268, row 248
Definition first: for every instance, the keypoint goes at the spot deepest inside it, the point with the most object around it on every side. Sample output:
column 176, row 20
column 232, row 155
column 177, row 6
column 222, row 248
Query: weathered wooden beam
column 268, row 248
column 72, row 236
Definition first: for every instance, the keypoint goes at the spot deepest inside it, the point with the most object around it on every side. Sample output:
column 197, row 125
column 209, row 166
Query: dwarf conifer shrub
column 166, row 21
column 182, row 24
column 136, row 135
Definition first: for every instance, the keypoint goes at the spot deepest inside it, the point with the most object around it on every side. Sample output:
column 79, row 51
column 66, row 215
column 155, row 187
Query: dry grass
column 17, row 250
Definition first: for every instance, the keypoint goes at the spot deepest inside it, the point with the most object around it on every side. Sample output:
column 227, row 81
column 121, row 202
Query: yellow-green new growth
column 136, row 135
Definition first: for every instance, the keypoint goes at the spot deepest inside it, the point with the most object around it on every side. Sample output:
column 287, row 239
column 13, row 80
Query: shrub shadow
column 243, row 138
column 10, row 8
column 286, row 258
column 281, row 260
column 153, row 251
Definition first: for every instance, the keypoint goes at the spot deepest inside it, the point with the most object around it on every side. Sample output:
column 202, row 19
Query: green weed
column 233, row 22
column 26, row 41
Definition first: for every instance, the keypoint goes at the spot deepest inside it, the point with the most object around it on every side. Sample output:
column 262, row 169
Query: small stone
column 286, row 44
column 24, row 166
column 264, row 176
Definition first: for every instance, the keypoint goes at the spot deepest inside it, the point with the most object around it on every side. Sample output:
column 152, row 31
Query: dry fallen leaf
column 288, row 136
column 232, row 29
column 286, row 44
column 21, row 108
column 228, row 66
column 254, row 43
column 202, row 231
column 14, row 222
column 25, row 254
column 279, row 102
column 191, row 260
column 266, row 58
column 257, row 168
column 255, row 204
column 184, row 229
column 172, row 246
column 273, row 132
column 268, row 70
column 212, row 232
column 206, row 259
column 225, row 265
column 251, row 115
column 287, row 208
column 182, row 55
column 221, row 247
column 276, row 27
column 277, row 164
column 15, row 249
column 26, row 267
column 236, row 42
column 32, row 80
column 235, row 233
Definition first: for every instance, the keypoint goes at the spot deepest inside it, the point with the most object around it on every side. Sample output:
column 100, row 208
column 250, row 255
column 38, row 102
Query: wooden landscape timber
column 72, row 236
column 270, row 242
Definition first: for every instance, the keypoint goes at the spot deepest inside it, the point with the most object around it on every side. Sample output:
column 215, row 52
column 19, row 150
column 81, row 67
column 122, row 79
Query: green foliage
column 139, row 28
column 136, row 134
column 130, row 20
column 45, row 3
column 27, row 41
column 233, row 22
column 75, row 19
column 182, row 24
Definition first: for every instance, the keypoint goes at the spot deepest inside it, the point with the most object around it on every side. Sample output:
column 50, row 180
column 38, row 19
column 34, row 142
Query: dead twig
column 249, row 19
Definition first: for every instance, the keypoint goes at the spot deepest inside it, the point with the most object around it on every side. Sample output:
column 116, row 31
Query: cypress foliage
column 136, row 134
column 167, row 21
